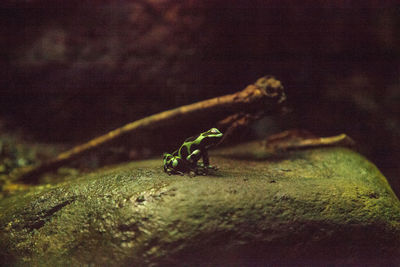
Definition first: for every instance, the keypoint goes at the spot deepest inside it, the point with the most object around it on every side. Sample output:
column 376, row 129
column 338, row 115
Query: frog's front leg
column 206, row 161
column 194, row 156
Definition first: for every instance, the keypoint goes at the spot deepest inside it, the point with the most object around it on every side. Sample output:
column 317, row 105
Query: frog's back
column 190, row 139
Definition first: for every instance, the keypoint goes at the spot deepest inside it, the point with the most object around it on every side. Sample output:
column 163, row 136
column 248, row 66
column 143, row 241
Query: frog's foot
column 201, row 170
column 215, row 168
column 170, row 172
column 200, row 165
column 207, row 167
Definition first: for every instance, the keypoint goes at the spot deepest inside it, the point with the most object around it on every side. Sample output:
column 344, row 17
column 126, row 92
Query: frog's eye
column 214, row 132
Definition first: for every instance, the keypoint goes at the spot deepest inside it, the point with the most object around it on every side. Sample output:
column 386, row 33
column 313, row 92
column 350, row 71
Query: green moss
column 319, row 205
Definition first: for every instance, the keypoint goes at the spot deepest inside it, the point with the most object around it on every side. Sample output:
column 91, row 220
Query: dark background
column 71, row 70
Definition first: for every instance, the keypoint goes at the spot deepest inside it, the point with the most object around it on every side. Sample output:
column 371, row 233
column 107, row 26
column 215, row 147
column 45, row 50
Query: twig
column 300, row 139
column 265, row 96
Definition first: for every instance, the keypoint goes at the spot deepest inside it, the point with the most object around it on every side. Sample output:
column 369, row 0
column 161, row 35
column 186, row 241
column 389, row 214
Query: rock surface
column 315, row 206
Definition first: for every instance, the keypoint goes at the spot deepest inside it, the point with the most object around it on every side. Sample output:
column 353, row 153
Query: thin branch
column 300, row 139
column 265, row 96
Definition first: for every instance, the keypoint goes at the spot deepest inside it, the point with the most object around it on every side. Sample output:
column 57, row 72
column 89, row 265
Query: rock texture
column 316, row 206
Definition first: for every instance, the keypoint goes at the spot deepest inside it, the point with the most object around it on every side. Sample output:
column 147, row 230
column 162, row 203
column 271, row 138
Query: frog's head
column 211, row 137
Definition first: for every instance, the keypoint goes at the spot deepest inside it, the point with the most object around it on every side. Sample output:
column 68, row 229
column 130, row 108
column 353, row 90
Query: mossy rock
column 315, row 206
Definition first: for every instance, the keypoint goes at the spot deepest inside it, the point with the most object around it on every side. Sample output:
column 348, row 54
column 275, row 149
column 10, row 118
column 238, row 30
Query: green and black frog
column 185, row 159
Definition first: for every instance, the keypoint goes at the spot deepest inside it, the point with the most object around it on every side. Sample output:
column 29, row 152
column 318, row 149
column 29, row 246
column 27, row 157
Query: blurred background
column 71, row 70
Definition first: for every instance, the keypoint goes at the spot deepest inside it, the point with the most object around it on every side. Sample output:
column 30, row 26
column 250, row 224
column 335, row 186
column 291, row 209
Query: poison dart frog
column 185, row 159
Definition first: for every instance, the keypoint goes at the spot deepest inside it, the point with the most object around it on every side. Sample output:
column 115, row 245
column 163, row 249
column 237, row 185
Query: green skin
column 185, row 159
